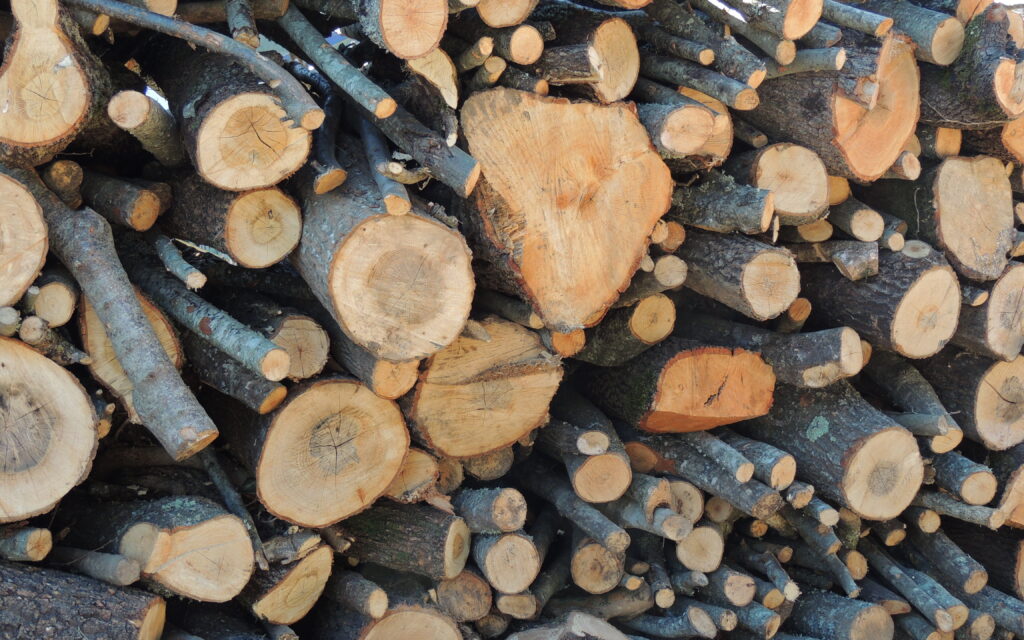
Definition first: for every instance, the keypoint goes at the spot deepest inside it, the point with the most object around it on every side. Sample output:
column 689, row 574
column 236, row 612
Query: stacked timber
column 527, row 319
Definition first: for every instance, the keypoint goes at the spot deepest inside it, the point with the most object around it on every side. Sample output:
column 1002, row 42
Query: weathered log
column 491, row 510
column 774, row 167
column 286, row 593
column 719, row 203
column 112, row 568
column 627, row 332
column 466, row 597
column 24, row 543
column 52, row 297
column 905, row 584
column 352, row 591
column 669, row 70
column 854, row 260
column 995, row 329
column 946, row 505
column 827, row 615
column 35, row 332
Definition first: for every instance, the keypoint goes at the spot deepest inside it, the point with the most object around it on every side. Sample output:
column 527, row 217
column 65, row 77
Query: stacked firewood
column 459, row 319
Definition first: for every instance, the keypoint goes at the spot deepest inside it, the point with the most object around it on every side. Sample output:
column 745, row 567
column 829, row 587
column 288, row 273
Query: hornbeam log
column 756, row 279
column 908, row 390
column 111, row 568
column 1005, row 142
column 520, row 44
column 827, row 615
column 413, row 538
column 818, row 231
column 719, row 203
column 225, row 374
column 489, row 466
column 983, row 394
column 785, row 18
column 415, row 622
column 188, row 545
column 772, row 466
column 352, row 591
column 286, row 593
column 231, row 125
column 37, row 334
column 23, row 251
column 902, row 581
column 83, row 242
column 963, row 192
column 875, row 593
column 857, row 135
column 509, row 561
column 714, row 152
column 946, row 505
column 64, row 178
column 329, row 433
column 627, row 332
column 502, row 126
column 491, row 510
column 563, row 436
column 669, row 273
column 995, row 329
column 811, row 360
column 600, row 477
column 910, row 307
column 504, row 385
column 855, row 260
column 675, row 71
column 174, row 262
column 853, row 17
column 702, row 550
column 593, row 567
column 407, row 31
column 348, row 238
column 506, row 13
column 795, row 176
column 256, row 229
column 939, row 37
column 42, row 603
column 467, row 597
column 867, row 464
column 969, row 481
column 731, row 385
column 981, row 89
column 52, row 297
column 121, row 202
column 149, row 123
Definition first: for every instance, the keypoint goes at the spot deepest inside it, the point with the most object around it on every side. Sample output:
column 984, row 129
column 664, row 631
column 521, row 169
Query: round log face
column 307, row 345
column 947, row 41
column 797, row 178
column 999, row 405
column 262, row 227
column 702, row 550
column 653, row 319
column 801, row 16
column 414, row 623
column 1008, row 86
column 927, row 316
column 330, row 451
column 412, row 28
column 1005, row 319
column 602, row 478
column 512, row 563
column 296, row 594
column 619, row 58
column 47, row 432
column 418, row 473
column 22, row 238
column 595, row 569
column 770, row 283
column 883, row 474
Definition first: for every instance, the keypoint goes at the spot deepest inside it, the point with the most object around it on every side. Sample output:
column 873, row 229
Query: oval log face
column 883, row 475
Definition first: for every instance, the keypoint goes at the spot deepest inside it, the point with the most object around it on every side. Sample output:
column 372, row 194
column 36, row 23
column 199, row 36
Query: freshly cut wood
column 491, row 510
column 330, row 450
column 286, row 593
column 488, row 466
column 352, row 591
column 1005, row 142
column 795, row 176
column 48, row 446
column 414, row 622
column 669, row 272
column 626, row 332
column 910, row 307
column 37, row 334
column 995, row 329
column 64, row 178
column 594, row 568
column 682, row 385
column 853, row 259
column 233, row 127
column 23, row 250
column 477, row 396
column 398, row 286
column 818, row 231
column 719, row 203
column 25, row 544
column 677, row 129
column 256, row 228
column 813, row 360
column 858, row 220
column 676, row 71
column 149, row 123
column 851, row 452
column 416, row 480
column 984, row 395
column 982, row 87
column 466, row 597
column 413, row 538
column 42, row 603
column 963, row 191
column 846, row 15
column 504, row 128
column 406, row 30
column 772, row 466
column 509, row 561
column 52, row 297
column 111, row 568
column 939, row 37
column 754, row 278
column 188, row 545
column 856, row 119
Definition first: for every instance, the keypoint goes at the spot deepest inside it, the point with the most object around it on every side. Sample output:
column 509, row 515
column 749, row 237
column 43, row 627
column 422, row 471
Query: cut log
column 939, row 37
column 187, row 545
column 997, row 551
column 858, row 220
column 407, row 31
column 48, row 447
column 969, row 481
column 995, row 329
column 869, row 464
column 491, row 510
column 225, row 374
column 772, row 466
column 627, row 332
column 1005, row 142
column 111, row 568
column 677, row 129
column 669, row 273
column 256, row 228
column 503, row 385
column 417, row 479
column 398, row 286
column 911, row 307
column 655, row 391
column 231, row 125
column 756, row 279
column 827, row 615
column 719, row 203
column 795, row 175
column 48, row 603
column 855, row 134
column 330, row 433
column 675, row 71
column 594, row 568
column 37, row 334
column 25, row 544
column 52, row 297
column 413, row 538
column 149, row 123
column 406, row 621
column 286, row 593
column 853, row 259
column 352, row 591
column 503, row 128
column 509, row 561
column 466, row 597
column 23, row 251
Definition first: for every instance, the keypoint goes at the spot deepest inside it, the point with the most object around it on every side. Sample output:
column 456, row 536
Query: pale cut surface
column 457, row 545
column 419, row 471
column 979, row 488
column 512, row 563
column 999, row 405
column 307, row 345
column 619, row 58
column 974, row 213
column 560, row 219
column 55, row 303
column 701, row 550
column 594, row 568
column 1012, row 137
column 294, row 596
column 23, row 238
column 927, row 316
column 883, row 474
column 602, row 478
column 838, row 190
column 687, row 500
column 476, row 397
column 687, row 129
column 129, row 109
column 872, row 140
column 801, row 16
column 329, row 452
column 153, row 624
column 243, row 144
column 504, row 13
column 851, row 361
column 105, row 367
column 262, row 227
column 797, row 178
column 403, row 284
column 653, row 319
column 770, row 283
column 210, row 561
column 1008, row 84
column 1006, row 310
column 44, row 91
column 47, row 432
column 947, row 41
column 719, row 143
column 414, row 623
column 709, row 387
column 393, row 379
column 438, row 69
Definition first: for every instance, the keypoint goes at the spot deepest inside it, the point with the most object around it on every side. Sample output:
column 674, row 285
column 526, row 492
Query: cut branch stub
column 565, row 234
column 46, row 445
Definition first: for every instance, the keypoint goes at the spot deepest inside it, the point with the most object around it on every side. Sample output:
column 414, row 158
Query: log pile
column 528, row 319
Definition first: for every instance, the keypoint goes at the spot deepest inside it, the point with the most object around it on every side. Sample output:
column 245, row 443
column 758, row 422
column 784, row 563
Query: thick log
column 995, row 328
column 286, row 593
column 869, row 464
column 407, row 31
column 509, row 561
column 827, row 615
column 775, row 167
column 719, row 203
column 42, row 603
column 502, row 127
column 467, row 597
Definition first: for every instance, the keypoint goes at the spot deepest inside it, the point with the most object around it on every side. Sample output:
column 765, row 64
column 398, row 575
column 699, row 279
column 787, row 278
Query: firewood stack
column 532, row 319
